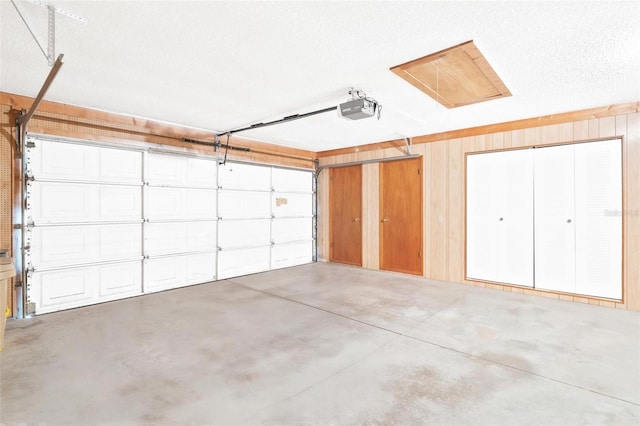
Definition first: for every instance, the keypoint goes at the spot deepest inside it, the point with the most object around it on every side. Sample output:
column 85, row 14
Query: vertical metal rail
column 20, row 225
column 314, row 212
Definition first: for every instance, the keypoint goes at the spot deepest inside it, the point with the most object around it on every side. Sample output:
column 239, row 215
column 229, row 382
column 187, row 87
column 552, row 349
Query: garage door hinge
column 29, row 270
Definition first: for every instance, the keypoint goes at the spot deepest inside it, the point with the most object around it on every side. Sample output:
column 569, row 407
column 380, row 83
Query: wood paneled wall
column 444, row 190
column 76, row 122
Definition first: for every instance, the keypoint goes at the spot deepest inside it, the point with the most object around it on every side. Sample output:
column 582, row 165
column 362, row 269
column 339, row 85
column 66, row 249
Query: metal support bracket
column 407, row 145
column 50, row 54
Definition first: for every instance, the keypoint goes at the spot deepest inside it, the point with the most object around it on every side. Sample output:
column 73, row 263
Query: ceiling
column 226, row 64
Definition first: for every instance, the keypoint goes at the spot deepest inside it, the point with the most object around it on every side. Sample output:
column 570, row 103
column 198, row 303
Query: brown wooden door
column 401, row 216
column 345, row 215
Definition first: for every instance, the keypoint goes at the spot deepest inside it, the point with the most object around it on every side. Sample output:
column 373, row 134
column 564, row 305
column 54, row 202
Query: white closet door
column 554, row 218
column 515, row 222
column 598, row 198
column 482, row 219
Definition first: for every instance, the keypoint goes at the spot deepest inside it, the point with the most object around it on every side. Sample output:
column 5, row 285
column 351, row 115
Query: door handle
column 384, row 220
column 568, row 220
column 356, row 219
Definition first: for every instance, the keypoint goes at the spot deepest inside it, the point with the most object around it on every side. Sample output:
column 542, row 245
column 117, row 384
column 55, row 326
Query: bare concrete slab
column 324, row 344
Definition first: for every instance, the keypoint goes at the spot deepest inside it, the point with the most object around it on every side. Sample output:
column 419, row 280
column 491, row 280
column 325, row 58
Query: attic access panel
column 454, row 77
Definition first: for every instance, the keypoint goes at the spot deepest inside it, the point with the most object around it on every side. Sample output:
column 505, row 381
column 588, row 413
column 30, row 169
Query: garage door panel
column 53, row 202
column 244, row 176
column 163, row 203
column 180, row 203
column 164, row 273
column 120, row 241
column 69, row 288
column 119, row 280
column 291, row 205
column 201, row 268
column 120, row 166
column 62, row 202
column 286, row 180
column 291, row 229
column 163, row 169
column 202, row 173
column 234, row 263
column 55, row 290
column 168, row 272
column 244, row 205
column 120, row 203
column 201, row 236
column 244, row 233
column 54, row 160
column 165, row 238
column 201, row 203
column 66, row 161
column 179, row 237
column 286, row 255
column 72, row 245
column 182, row 171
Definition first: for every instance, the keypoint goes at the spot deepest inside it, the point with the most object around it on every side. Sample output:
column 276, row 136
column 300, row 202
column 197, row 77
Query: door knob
column 385, row 220
column 356, row 219
column 501, row 219
column 568, row 220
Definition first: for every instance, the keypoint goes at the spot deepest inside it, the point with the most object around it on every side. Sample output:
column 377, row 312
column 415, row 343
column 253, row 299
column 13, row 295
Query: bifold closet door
column 598, row 200
column 555, row 218
column 578, row 218
column 500, row 217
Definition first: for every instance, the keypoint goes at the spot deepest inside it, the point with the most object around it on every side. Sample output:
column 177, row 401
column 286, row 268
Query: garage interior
column 320, row 212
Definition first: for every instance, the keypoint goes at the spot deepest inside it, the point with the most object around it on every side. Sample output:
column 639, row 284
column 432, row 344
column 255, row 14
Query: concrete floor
column 325, row 344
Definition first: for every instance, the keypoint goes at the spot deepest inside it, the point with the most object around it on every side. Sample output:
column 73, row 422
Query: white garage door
column 85, row 208
column 180, row 221
column 108, row 223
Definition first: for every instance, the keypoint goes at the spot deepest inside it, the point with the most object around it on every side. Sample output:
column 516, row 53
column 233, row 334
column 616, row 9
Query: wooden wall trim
column 142, row 129
column 566, row 117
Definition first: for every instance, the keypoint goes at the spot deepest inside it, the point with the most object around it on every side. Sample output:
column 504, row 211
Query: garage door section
column 292, row 213
column 84, row 215
column 245, row 219
column 180, row 221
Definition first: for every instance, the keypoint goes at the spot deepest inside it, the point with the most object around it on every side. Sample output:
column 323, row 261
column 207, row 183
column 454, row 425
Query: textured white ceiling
column 225, row 64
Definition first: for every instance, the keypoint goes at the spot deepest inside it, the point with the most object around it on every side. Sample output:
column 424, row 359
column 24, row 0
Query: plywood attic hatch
column 454, row 77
